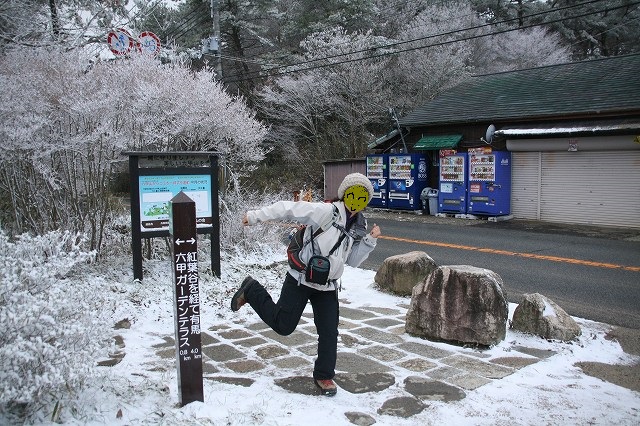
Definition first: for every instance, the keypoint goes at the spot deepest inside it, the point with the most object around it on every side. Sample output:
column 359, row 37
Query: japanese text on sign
column 187, row 298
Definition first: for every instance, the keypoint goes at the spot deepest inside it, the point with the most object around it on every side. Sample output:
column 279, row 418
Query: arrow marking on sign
column 190, row 241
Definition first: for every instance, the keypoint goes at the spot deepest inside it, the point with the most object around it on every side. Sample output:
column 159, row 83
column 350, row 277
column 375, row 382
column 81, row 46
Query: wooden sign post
column 186, row 297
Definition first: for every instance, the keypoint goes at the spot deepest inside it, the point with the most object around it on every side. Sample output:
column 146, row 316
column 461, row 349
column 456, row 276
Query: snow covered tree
column 430, row 58
column 69, row 23
column 327, row 107
column 65, row 125
column 598, row 29
column 520, row 49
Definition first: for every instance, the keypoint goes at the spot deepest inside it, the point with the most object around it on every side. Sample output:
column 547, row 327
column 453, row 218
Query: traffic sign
column 148, row 43
column 120, row 42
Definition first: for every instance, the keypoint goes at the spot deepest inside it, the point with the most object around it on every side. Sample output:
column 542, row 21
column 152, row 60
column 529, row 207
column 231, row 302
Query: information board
column 157, row 191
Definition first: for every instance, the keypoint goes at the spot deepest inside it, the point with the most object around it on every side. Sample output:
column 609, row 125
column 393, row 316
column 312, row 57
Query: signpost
column 186, row 297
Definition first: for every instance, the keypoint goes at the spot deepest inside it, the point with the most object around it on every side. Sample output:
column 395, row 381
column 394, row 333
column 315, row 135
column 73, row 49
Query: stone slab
column 377, row 335
column 167, row 353
column 271, row 351
column 257, row 326
column 245, row 366
column 473, row 365
column 237, row 381
column 434, row 390
column 234, row 334
column 297, row 338
column 209, row 368
column 207, row 339
column 222, row 353
column 346, row 325
column 468, row 381
column 444, row 373
column 292, row 362
column 383, row 310
column 540, row 353
column 359, row 419
column 417, row 364
column 251, row 342
column 352, row 363
column 310, row 350
column 365, row 382
column 514, row 361
column 355, row 314
column 382, row 353
column 298, row 384
column 403, row 406
column 383, row 322
column 424, row 350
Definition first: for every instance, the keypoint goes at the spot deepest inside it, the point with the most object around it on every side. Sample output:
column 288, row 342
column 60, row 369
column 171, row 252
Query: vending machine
column 452, row 197
column 407, row 178
column 378, row 174
column 489, row 182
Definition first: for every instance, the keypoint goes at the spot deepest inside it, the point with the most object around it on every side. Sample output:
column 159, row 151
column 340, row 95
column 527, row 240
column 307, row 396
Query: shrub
column 50, row 321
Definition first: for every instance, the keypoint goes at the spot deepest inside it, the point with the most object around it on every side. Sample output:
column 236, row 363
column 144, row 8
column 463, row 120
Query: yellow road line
column 514, row 253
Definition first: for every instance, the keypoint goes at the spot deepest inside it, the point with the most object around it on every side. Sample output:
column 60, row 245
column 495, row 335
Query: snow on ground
column 551, row 391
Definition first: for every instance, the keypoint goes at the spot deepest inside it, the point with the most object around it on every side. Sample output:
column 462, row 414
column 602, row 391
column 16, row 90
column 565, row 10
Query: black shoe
column 240, row 298
column 327, row 387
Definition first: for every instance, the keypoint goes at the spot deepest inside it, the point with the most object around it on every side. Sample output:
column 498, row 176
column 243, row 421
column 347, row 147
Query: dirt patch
column 627, row 376
column 629, row 339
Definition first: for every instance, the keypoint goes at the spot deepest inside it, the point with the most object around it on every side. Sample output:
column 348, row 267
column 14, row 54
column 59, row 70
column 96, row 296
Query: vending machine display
column 489, row 182
column 407, row 178
column 452, row 197
column 378, row 174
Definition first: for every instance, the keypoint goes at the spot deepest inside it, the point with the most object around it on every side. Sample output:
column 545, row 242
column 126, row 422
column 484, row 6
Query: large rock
column 461, row 304
column 399, row 274
column 536, row 314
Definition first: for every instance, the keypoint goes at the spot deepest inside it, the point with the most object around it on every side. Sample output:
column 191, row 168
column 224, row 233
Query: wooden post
column 186, row 297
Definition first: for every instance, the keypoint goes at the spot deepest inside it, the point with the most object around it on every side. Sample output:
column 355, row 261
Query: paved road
column 590, row 272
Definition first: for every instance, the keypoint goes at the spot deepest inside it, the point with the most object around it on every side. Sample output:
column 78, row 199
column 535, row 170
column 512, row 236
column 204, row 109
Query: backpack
column 297, row 243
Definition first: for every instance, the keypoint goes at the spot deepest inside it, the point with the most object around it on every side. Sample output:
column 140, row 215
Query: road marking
column 515, row 253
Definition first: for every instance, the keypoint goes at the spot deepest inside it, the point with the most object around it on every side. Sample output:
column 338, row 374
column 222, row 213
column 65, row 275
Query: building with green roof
column 573, row 130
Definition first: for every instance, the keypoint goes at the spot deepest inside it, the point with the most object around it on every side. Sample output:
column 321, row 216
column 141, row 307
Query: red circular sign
column 148, row 43
column 120, row 42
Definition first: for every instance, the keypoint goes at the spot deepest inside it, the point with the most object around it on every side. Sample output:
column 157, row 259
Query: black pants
column 284, row 316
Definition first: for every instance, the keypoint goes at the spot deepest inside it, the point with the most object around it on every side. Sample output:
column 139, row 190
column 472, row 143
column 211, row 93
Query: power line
column 197, row 23
column 422, row 38
column 256, row 74
column 188, row 19
column 394, row 7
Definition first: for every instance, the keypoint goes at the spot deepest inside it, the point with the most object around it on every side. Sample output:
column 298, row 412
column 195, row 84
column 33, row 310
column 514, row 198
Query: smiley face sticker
column 356, row 198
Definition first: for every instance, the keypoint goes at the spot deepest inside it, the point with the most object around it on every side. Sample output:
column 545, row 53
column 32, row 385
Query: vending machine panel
column 407, row 178
column 452, row 197
column 489, row 186
column 378, row 174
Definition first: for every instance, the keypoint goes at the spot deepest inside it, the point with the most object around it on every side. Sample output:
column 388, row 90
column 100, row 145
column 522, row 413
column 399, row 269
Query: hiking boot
column 240, row 297
column 327, row 387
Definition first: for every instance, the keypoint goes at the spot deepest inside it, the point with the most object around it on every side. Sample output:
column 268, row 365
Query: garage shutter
column 591, row 187
column 525, row 185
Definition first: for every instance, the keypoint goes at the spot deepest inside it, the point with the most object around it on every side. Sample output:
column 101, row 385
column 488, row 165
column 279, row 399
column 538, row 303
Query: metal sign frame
column 195, row 173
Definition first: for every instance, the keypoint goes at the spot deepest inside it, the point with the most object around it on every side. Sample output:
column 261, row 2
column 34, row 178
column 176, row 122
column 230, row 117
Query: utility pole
column 394, row 117
column 215, row 40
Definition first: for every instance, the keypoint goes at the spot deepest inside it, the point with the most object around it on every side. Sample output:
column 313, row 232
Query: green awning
column 438, row 142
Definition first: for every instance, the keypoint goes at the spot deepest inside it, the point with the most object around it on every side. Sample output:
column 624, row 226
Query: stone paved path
column 374, row 353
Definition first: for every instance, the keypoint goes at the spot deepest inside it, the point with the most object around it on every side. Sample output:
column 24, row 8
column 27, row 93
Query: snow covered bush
column 233, row 235
column 51, row 320
column 65, row 122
